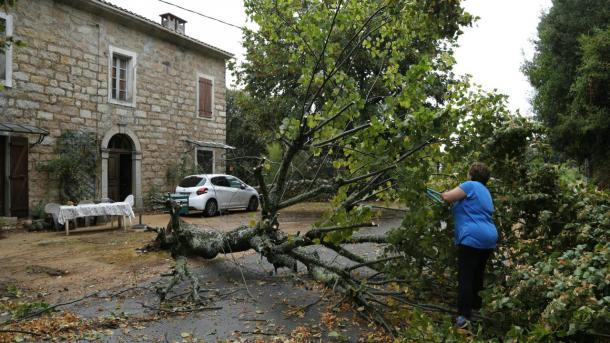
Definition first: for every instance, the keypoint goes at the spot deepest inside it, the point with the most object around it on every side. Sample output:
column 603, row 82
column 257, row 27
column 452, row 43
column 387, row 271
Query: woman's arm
column 453, row 195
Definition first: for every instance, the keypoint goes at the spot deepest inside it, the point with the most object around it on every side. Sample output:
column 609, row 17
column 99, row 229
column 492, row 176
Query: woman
column 475, row 237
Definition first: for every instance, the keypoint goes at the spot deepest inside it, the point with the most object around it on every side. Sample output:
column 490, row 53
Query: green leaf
column 333, row 334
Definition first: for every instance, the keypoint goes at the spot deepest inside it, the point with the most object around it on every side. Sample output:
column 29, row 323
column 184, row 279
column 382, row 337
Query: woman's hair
column 479, row 172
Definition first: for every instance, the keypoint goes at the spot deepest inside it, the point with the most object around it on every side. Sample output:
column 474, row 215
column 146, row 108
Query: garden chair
column 130, row 201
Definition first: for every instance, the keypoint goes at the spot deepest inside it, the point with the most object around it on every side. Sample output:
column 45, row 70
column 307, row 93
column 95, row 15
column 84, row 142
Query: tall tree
column 365, row 86
column 570, row 74
column 245, row 132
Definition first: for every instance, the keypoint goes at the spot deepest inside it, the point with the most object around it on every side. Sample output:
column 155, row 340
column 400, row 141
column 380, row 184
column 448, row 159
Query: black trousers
column 471, row 269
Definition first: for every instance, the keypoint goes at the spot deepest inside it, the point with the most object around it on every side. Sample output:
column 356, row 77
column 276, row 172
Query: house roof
column 116, row 13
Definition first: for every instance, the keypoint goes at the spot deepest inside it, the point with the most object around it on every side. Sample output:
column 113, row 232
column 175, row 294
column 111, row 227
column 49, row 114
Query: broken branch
column 319, row 232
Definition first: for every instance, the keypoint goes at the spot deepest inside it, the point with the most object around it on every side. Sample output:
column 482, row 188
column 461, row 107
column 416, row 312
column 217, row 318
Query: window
column 205, row 161
column 119, row 77
column 6, row 53
column 220, row 181
column 120, row 142
column 205, row 96
column 234, row 182
column 192, row 181
column 122, row 77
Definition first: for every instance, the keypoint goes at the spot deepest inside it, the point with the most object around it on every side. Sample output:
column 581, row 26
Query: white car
column 212, row 193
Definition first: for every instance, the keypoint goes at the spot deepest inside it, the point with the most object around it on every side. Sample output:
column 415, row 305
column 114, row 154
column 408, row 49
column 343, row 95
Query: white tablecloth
column 90, row 210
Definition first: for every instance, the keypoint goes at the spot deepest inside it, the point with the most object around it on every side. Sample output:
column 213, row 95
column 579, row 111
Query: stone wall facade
column 60, row 83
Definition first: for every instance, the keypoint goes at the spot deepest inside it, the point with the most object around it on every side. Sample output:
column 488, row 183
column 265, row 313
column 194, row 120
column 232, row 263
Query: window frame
column 198, row 92
column 213, row 158
column 131, row 76
column 8, row 52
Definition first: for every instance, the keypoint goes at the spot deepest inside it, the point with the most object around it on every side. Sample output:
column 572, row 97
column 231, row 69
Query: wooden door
column 19, row 176
column 124, row 176
column 3, row 158
column 114, row 176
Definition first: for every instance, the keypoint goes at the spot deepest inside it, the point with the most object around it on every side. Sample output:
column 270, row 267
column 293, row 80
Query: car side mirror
column 242, row 186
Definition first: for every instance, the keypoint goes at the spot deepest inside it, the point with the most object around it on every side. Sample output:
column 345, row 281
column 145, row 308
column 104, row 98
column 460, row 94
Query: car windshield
column 191, row 181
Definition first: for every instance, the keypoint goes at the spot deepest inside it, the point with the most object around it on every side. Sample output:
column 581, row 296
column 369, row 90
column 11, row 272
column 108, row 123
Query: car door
column 240, row 197
column 223, row 190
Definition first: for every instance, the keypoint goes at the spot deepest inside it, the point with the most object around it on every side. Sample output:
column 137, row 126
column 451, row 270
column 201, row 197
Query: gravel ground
column 273, row 306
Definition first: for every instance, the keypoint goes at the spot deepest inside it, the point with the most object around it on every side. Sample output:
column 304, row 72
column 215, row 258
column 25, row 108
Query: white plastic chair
column 130, row 201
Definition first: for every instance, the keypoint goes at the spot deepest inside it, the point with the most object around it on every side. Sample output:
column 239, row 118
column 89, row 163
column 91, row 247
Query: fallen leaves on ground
column 65, row 325
column 301, row 334
column 330, row 320
column 294, row 311
column 69, row 326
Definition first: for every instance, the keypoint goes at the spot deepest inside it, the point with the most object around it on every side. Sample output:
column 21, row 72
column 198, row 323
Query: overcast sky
column 492, row 51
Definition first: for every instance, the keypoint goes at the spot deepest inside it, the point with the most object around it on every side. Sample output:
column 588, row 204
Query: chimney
column 173, row 23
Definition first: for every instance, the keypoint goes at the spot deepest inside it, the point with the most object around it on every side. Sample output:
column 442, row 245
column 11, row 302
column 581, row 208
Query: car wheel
column 252, row 204
column 211, row 208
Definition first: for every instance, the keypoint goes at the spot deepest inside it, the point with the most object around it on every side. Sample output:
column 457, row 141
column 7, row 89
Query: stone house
column 148, row 93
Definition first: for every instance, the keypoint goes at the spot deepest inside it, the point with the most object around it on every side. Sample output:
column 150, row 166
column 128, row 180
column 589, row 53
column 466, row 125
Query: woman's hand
column 453, row 195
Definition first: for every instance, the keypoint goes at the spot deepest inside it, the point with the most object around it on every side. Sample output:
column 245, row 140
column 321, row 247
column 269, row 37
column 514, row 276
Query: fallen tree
column 284, row 251
column 365, row 86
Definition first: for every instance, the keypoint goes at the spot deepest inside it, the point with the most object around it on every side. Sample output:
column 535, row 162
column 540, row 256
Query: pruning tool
column 434, row 195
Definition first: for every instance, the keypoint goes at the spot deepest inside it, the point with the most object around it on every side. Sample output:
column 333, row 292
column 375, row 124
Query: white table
column 121, row 209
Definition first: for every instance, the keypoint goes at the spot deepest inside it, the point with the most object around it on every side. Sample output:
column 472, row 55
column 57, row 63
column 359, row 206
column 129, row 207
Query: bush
column 152, row 197
column 37, row 210
column 176, row 171
column 74, row 166
column 549, row 274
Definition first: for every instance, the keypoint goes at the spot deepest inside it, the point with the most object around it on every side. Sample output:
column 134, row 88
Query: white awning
column 207, row 144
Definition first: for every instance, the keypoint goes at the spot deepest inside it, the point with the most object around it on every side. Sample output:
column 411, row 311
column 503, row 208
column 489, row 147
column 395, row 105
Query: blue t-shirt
column 474, row 226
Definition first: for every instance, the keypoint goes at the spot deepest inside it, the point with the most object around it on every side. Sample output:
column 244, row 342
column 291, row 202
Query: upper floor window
column 122, row 76
column 205, row 96
column 6, row 50
column 119, row 77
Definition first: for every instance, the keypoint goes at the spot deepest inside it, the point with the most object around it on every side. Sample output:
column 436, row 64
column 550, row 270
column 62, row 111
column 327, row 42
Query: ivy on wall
column 74, row 165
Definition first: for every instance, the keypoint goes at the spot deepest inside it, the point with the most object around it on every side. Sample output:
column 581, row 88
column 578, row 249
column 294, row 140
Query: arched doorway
column 121, row 165
column 120, row 168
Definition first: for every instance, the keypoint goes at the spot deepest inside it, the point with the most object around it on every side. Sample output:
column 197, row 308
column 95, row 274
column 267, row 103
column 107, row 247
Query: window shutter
column 2, row 53
column 205, row 97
